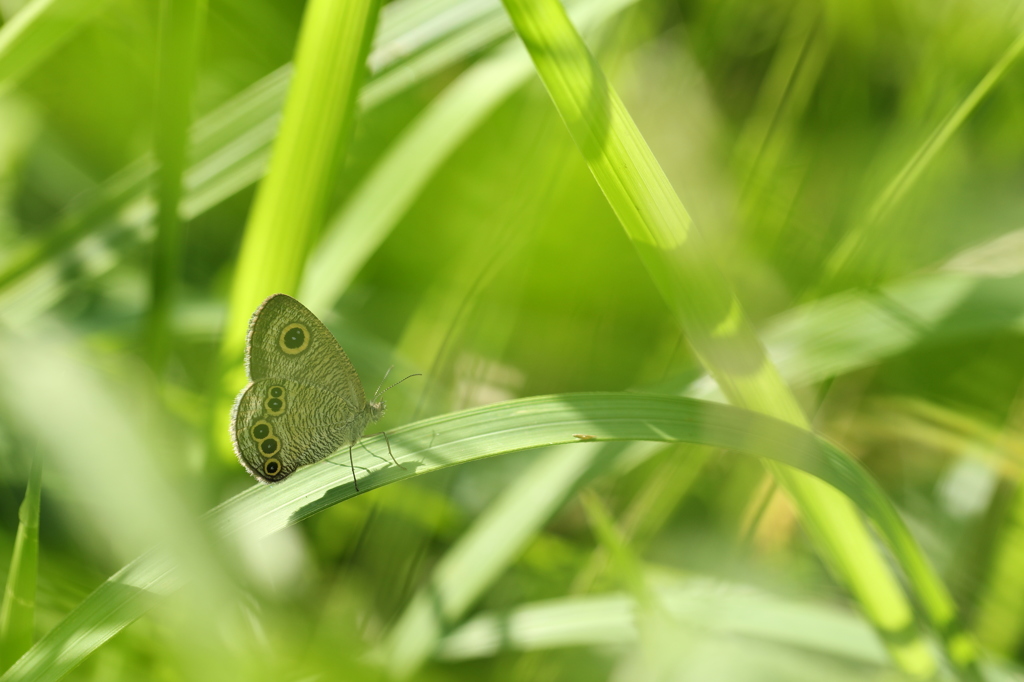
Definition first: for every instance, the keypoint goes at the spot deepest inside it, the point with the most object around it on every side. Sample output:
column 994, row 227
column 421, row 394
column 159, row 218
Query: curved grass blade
column 716, row 327
column 810, row 343
column 449, row 440
column 17, row 614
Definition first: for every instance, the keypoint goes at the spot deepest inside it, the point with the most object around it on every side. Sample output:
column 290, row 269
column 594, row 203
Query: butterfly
column 304, row 400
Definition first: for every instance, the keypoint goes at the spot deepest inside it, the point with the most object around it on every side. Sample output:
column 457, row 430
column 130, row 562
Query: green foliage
column 17, row 613
column 847, row 271
column 456, row 438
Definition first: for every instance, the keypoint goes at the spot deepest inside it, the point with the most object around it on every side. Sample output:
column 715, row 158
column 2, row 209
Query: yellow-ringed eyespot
column 260, row 430
column 274, row 405
column 271, row 467
column 294, row 338
column 276, row 392
column 270, row 446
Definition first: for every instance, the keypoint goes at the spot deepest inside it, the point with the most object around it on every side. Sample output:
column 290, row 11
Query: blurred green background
column 857, row 169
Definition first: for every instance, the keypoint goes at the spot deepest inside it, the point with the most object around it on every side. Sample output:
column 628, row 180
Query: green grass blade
column 419, row 23
column 17, row 613
column 702, row 300
column 448, row 440
column 231, row 145
column 608, row 620
column 36, row 31
column 120, row 601
column 626, row 565
column 180, row 25
column 483, row 553
column 710, row 607
column 486, row 30
column 852, row 330
column 998, row 619
column 397, row 179
column 911, row 171
column 649, row 509
column 831, row 337
column 291, row 203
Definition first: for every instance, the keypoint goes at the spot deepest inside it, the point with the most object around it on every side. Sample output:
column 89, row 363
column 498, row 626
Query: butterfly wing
column 287, row 341
column 279, row 425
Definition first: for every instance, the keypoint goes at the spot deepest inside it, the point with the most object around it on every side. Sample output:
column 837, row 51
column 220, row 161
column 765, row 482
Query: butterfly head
column 377, row 406
column 376, row 410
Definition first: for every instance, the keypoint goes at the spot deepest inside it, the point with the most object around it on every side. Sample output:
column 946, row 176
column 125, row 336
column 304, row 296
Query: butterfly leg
column 389, row 450
column 353, row 465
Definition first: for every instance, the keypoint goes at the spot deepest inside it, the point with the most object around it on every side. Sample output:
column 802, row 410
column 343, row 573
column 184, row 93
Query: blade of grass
column 421, row 23
column 230, row 146
column 702, row 300
column 395, row 181
column 609, row 619
column 847, row 331
column 180, row 24
column 841, row 257
column 648, row 510
column 376, row 206
column 625, row 564
column 997, row 618
column 829, row 337
column 107, row 457
column 483, row 553
column 768, row 161
column 291, row 202
column 452, row 439
column 659, row 632
column 781, row 99
column 38, row 29
column 722, row 609
column 17, row 614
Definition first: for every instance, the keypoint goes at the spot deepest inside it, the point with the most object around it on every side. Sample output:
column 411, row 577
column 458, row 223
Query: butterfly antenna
column 398, row 382
column 376, row 394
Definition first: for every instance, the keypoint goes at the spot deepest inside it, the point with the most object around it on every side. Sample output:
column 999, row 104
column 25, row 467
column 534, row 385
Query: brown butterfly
column 304, row 400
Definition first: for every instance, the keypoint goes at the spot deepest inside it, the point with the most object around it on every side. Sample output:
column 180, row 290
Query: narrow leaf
column 291, row 203
column 17, row 614
column 890, row 197
column 682, row 267
column 180, row 25
column 447, row 440
column 37, row 30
